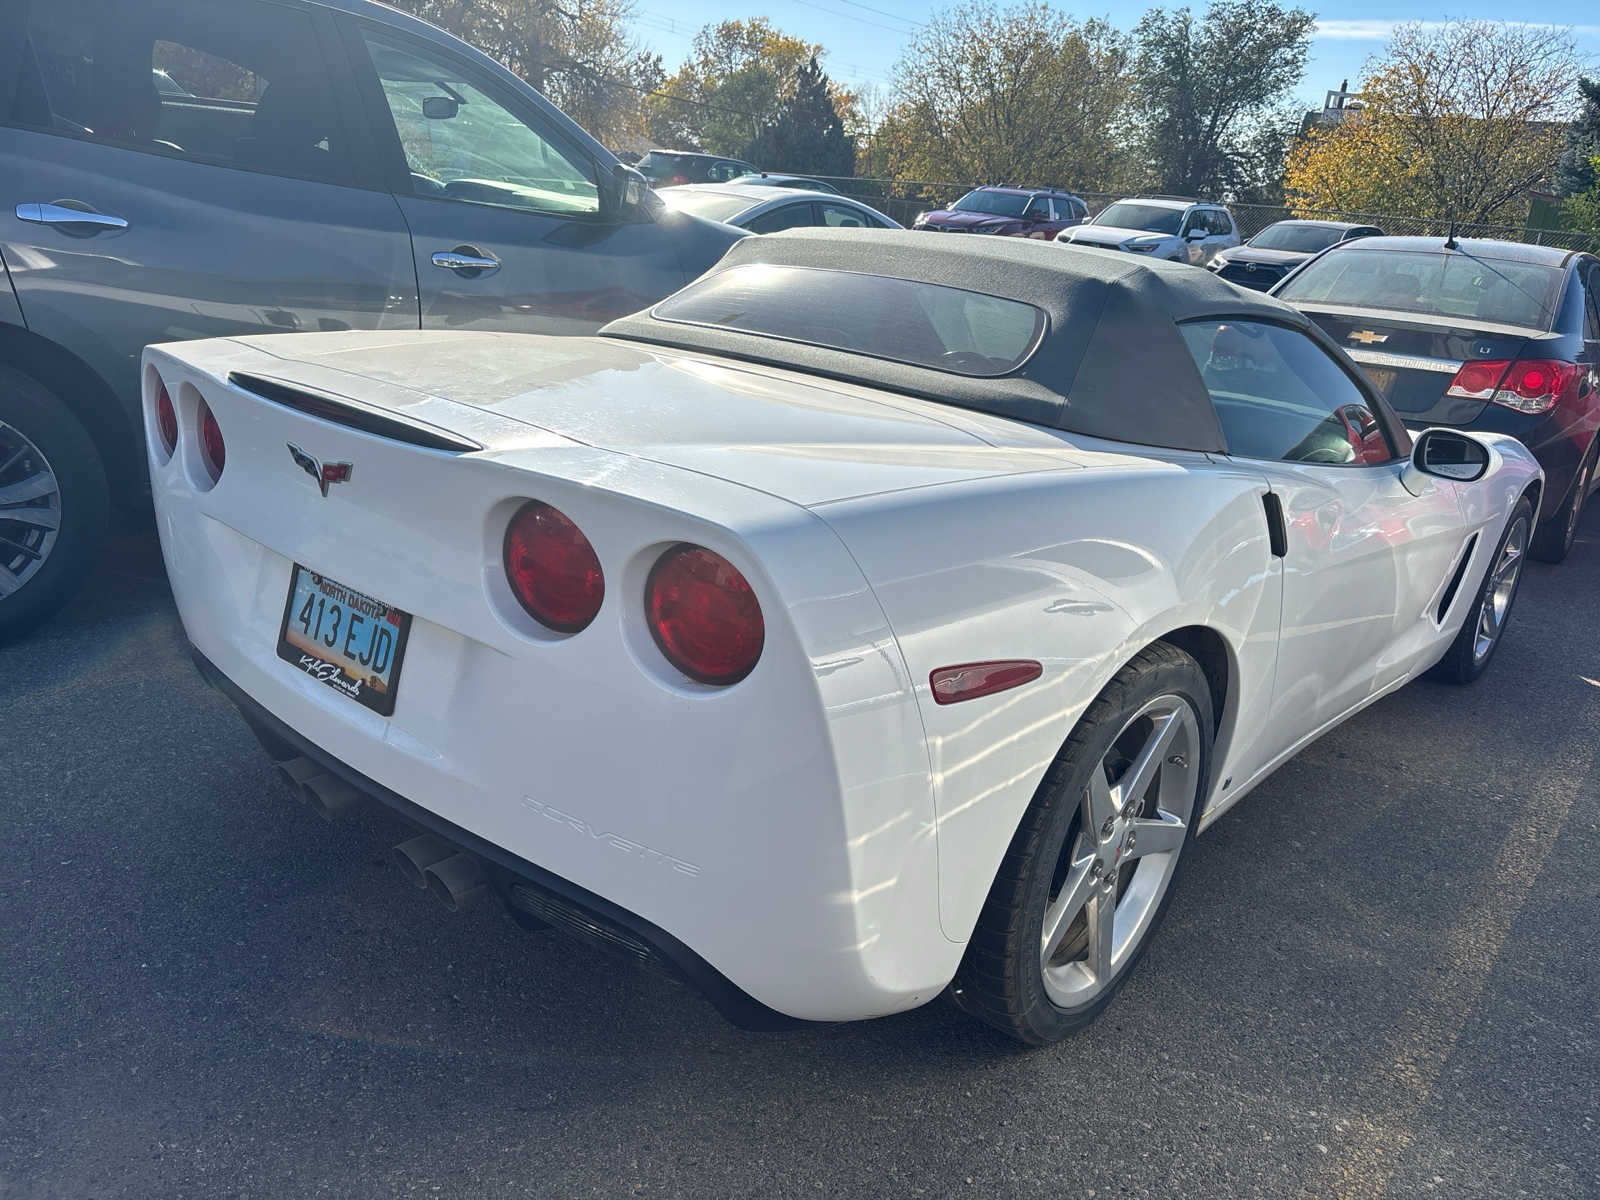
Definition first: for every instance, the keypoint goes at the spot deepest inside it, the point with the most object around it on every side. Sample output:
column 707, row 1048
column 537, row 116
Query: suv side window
column 1194, row 219
column 1278, row 395
column 241, row 86
column 722, row 171
column 1038, row 209
column 1220, row 222
column 462, row 144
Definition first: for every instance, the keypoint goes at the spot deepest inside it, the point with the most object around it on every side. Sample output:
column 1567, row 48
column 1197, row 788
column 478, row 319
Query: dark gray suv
column 175, row 169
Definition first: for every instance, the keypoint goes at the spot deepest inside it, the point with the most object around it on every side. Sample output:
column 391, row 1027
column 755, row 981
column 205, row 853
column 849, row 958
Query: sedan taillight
column 704, row 615
column 1528, row 385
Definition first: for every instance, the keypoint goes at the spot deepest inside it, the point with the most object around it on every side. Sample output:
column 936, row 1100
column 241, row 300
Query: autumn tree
column 1457, row 121
column 1206, row 90
column 579, row 55
column 736, row 82
column 1025, row 94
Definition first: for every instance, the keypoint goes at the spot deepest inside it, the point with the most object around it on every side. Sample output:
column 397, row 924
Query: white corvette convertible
column 875, row 617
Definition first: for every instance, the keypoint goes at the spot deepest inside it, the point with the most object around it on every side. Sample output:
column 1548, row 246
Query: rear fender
column 1078, row 570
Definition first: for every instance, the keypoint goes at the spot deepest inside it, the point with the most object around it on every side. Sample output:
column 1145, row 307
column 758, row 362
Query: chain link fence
column 904, row 199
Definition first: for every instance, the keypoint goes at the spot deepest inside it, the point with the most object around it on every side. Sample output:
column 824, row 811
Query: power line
column 880, row 12
column 833, row 12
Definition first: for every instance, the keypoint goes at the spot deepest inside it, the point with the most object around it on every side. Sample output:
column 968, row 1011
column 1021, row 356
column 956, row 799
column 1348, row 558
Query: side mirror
column 1450, row 455
column 629, row 192
column 1197, row 235
column 440, row 108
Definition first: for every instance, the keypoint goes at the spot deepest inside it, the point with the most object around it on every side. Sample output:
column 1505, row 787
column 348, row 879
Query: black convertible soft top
column 1111, row 363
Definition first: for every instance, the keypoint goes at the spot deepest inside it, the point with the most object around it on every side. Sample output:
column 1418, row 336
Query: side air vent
column 341, row 410
column 1455, row 580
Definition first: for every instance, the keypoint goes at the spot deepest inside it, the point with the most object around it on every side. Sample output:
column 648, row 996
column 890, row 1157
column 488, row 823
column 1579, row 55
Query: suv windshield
column 984, row 200
column 1306, row 239
column 1442, row 283
column 1152, row 218
column 923, row 324
column 717, row 206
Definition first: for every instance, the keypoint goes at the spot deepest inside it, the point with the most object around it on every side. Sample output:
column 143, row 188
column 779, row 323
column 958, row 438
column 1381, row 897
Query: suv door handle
column 467, row 261
column 58, row 214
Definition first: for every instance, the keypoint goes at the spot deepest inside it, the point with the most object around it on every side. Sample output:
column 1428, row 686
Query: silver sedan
column 766, row 209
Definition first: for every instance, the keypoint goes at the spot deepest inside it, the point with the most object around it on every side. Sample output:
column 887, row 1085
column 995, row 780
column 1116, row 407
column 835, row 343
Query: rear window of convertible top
column 922, row 324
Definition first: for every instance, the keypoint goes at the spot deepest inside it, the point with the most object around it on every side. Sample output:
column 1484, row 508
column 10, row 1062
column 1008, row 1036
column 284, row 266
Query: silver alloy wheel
column 30, row 509
column 1121, row 851
column 1502, row 588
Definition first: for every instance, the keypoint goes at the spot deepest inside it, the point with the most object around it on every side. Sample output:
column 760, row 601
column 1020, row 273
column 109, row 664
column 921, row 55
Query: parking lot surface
column 1378, row 978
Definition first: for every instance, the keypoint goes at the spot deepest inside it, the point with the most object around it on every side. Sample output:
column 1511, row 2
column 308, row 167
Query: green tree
column 738, row 78
column 1206, row 89
column 1023, row 95
column 1457, row 122
column 1583, row 208
column 1575, row 171
column 808, row 135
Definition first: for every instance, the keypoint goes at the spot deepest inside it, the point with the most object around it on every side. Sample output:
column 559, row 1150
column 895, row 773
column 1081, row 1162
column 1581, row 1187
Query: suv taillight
column 552, row 569
column 1528, row 385
column 213, row 452
column 166, row 420
column 704, row 615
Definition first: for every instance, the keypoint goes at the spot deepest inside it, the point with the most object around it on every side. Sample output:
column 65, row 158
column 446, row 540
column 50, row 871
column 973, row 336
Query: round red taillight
column 552, row 569
column 704, row 615
column 212, row 449
column 1535, row 381
column 166, row 420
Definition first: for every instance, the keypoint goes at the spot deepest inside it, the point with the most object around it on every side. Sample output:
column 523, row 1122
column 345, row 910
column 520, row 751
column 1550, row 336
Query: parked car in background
column 1166, row 227
column 1007, row 211
column 761, row 209
column 1280, row 247
column 767, row 179
column 863, row 664
column 175, row 169
column 1483, row 335
column 669, row 168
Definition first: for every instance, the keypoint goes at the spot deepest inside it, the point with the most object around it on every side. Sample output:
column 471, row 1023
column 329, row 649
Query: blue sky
column 864, row 38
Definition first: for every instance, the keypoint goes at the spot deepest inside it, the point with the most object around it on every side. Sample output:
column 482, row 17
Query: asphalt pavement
column 1380, row 976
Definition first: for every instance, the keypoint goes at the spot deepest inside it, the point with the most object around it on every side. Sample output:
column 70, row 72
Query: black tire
column 1552, row 541
column 30, row 410
column 1001, row 978
column 1464, row 661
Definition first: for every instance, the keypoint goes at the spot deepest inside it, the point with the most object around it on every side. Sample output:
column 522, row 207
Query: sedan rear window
column 1440, row 283
column 922, row 324
column 714, row 206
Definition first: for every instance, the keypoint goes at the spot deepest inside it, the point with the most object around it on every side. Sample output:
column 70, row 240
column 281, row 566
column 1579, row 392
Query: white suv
column 1161, row 227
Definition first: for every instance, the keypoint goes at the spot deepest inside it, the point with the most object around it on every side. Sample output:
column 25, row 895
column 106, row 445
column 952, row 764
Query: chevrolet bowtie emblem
column 1368, row 338
column 322, row 473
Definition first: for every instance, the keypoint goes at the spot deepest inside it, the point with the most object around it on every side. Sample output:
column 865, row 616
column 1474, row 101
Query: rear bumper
column 529, row 891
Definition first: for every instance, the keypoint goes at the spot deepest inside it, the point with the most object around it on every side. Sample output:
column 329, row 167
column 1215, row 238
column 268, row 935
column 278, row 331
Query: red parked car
column 1009, row 211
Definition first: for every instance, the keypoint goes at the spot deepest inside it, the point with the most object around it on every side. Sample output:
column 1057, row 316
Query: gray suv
column 175, row 169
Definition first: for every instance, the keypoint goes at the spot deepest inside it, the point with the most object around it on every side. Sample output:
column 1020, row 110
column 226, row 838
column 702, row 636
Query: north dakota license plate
column 344, row 639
